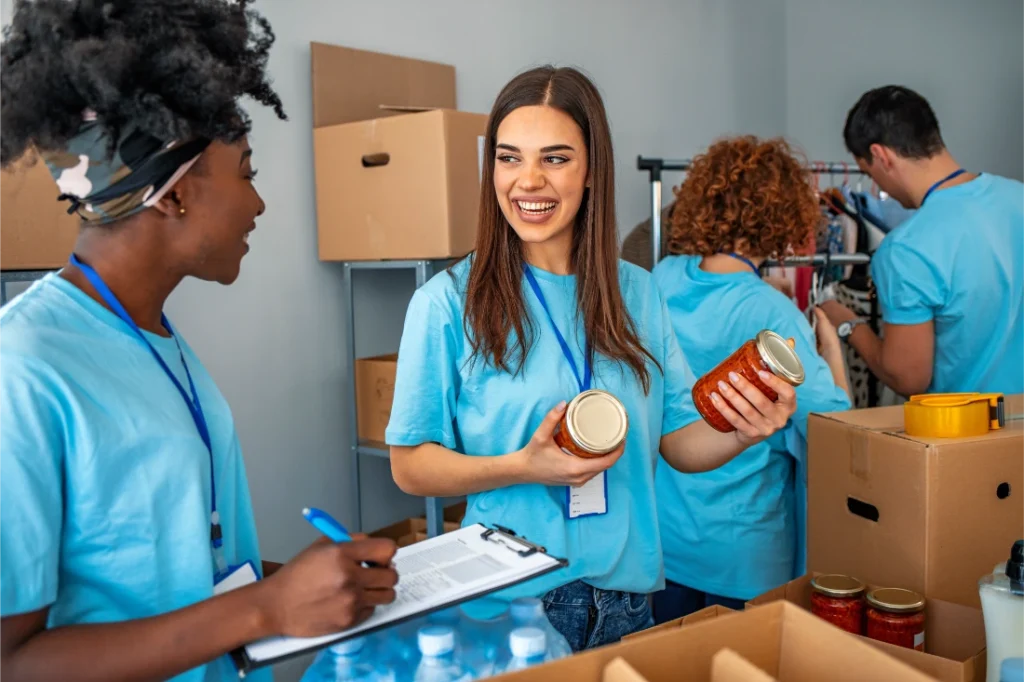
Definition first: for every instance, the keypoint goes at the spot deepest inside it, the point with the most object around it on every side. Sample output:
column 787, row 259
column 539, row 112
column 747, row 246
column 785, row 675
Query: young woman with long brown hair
column 539, row 312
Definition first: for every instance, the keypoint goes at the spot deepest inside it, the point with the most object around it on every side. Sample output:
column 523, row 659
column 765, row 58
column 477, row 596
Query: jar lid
column 780, row 358
column 835, row 585
column 597, row 421
column 896, row 600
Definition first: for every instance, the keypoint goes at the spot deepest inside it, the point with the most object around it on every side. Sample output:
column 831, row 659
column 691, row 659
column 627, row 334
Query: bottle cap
column 526, row 610
column 436, row 640
column 528, row 642
column 1012, row 670
column 1015, row 567
column 835, row 585
column 349, row 647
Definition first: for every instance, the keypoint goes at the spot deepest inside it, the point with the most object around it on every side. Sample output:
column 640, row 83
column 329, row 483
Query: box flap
column 705, row 614
column 729, row 666
column 351, row 85
column 620, row 671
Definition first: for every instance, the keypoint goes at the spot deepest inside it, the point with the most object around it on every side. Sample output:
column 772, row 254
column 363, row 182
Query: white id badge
column 235, row 577
column 589, row 499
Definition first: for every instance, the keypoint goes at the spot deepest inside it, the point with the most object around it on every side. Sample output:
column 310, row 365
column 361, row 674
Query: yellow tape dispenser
column 953, row 415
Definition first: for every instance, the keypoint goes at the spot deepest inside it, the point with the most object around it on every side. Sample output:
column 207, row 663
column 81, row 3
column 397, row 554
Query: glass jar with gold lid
column 594, row 424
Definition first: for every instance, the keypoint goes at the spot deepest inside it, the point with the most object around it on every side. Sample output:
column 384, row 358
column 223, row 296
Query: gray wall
column 675, row 75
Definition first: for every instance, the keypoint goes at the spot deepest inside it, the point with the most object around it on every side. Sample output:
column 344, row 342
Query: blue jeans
column 589, row 617
column 676, row 601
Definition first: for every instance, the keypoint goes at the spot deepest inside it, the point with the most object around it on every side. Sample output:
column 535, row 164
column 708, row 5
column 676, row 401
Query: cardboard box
column 704, row 614
column 729, row 666
column 954, row 635
column 411, row 531
column 36, row 232
column 392, row 184
column 930, row 515
column 375, row 392
column 620, row 671
column 780, row 639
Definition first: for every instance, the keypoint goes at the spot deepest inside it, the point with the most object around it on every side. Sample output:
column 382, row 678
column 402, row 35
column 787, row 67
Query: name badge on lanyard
column 591, row 498
column 195, row 408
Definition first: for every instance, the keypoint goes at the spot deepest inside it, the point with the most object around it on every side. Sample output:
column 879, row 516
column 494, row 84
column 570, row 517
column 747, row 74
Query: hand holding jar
column 752, row 392
column 543, row 461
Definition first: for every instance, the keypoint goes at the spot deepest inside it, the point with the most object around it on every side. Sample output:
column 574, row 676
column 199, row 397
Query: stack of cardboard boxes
column 930, row 515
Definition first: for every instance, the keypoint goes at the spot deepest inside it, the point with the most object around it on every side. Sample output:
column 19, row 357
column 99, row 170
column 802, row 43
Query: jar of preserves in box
column 839, row 599
column 594, row 424
column 896, row 616
column 767, row 351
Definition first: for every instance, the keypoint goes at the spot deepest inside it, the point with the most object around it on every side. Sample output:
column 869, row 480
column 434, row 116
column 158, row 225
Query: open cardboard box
column 930, row 515
column 397, row 168
column 954, row 634
column 729, row 666
column 38, row 233
column 780, row 639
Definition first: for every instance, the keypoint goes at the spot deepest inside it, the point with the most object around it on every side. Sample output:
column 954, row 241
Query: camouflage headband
column 102, row 187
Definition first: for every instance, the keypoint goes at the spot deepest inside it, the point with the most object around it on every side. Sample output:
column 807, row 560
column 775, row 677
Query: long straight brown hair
column 496, row 320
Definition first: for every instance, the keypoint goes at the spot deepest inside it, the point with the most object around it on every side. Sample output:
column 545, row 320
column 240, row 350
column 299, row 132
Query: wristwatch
column 846, row 328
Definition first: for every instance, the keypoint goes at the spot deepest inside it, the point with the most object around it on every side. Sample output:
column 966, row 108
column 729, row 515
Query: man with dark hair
column 950, row 279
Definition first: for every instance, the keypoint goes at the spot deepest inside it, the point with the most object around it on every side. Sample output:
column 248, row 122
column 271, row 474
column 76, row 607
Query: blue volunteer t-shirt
column 738, row 531
column 442, row 396
column 958, row 261
column 105, row 492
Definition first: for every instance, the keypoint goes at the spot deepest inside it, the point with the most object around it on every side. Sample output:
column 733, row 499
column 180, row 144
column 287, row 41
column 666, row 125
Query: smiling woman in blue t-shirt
column 735, row 532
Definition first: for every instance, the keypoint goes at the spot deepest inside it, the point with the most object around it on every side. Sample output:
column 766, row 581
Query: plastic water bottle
column 529, row 647
column 529, row 611
column 484, row 641
column 345, row 662
column 438, row 662
column 397, row 646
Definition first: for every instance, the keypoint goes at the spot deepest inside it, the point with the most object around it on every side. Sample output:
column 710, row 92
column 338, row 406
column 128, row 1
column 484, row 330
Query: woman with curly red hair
column 736, row 532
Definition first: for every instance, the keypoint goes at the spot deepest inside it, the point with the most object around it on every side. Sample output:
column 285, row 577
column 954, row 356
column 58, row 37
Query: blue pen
column 326, row 524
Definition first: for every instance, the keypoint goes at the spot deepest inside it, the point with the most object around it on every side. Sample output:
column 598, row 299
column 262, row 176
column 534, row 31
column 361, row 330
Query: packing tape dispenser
column 953, row 415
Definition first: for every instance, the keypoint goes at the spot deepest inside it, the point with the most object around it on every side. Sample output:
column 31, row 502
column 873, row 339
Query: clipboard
column 439, row 573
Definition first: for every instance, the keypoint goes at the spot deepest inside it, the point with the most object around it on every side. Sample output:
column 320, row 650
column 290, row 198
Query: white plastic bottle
column 529, row 611
column 1002, row 602
column 345, row 662
column 482, row 642
column 529, row 647
column 438, row 662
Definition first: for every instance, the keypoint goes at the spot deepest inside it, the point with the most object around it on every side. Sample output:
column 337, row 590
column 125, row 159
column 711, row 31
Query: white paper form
column 436, row 573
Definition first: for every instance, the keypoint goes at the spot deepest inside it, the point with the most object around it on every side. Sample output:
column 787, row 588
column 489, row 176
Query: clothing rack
column 655, row 165
column 820, row 259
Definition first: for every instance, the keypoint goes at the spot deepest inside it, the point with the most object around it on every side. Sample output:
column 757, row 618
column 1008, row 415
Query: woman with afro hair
column 124, row 496
column 736, row 532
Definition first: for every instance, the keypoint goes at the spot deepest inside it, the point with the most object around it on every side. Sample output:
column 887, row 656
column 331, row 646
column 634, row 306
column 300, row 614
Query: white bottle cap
column 436, row 640
column 528, row 642
column 526, row 610
column 349, row 647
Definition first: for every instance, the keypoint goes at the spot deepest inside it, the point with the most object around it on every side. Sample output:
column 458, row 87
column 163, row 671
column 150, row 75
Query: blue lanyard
column 941, row 182
column 195, row 408
column 746, row 260
column 587, row 373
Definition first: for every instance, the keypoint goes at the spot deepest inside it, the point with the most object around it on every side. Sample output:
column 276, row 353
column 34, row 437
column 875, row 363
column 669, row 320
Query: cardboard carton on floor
column 375, row 392
column 930, row 515
column 780, row 639
column 954, row 635
column 36, row 232
column 707, row 613
column 397, row 168
column 410, row 531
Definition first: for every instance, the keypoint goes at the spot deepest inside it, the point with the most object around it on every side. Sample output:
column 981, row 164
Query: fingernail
column 723, row 386
column 734, row 377
column 763, row 374
column 715, row 398
column 561, row 405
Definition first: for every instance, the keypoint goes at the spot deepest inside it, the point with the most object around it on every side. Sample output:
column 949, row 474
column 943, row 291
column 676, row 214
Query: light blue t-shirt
column 738, row 531
column 105, row 486
column 959, row 260
column 442, row 396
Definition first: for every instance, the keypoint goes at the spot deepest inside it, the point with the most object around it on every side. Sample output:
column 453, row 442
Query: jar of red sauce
column 767, row 351
column 896, row 616
column 594, row 424
column 839, row 599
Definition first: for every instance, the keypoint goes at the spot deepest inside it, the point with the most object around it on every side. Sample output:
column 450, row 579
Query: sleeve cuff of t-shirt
column 27, row 589
column 677, row 419
column 907, row 315
column 410, row 439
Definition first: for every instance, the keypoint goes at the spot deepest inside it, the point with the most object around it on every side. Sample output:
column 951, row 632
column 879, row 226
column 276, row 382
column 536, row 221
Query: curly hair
column 744, row 190
column 173, row 68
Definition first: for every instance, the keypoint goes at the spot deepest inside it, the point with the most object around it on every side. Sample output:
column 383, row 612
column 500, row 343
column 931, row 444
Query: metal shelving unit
column 357, row 447
column 10, row 276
